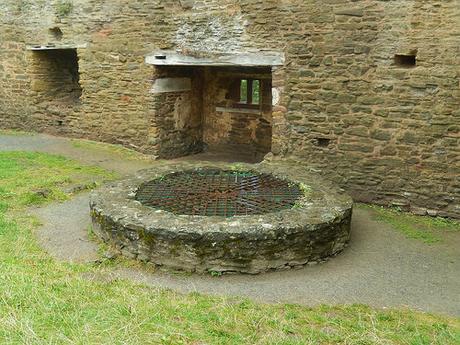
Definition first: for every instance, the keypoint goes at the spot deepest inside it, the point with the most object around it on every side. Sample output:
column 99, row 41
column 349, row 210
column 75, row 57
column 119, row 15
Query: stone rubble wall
column 176, row 128
column 388, row 134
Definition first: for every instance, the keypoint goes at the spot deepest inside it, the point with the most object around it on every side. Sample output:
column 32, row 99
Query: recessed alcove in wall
column 322, row 142
column 54, row 75
column 405, row 60
column 56, row 33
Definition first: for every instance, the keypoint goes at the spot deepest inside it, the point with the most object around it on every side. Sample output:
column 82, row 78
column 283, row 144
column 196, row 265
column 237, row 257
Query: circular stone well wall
column 199, row 217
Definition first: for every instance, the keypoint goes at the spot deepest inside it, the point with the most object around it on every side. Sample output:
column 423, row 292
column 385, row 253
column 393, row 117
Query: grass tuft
column 64, row 8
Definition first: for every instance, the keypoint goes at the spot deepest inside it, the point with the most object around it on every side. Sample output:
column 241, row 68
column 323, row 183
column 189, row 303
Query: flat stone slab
column 317, row 227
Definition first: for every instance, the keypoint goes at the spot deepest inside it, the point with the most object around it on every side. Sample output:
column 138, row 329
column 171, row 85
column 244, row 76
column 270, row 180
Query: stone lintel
column 170, row 58
column 38, row 47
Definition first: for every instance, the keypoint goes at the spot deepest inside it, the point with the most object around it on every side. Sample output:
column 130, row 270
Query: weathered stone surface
column 316, row 228
column 339, row 73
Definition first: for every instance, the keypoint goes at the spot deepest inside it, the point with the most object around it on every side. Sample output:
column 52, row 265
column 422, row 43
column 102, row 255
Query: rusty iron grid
column 216, row 192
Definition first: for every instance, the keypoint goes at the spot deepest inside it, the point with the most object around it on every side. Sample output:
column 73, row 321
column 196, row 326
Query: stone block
column 359, row 131
column 356, row 147
column 39, row 85
column 381, row 135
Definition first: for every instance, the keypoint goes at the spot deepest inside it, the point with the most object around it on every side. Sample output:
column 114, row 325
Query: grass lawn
column 43, row 301
column 424, row 228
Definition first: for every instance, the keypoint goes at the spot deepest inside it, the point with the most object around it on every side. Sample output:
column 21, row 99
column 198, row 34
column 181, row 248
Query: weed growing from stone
column 237, row 167
column 64, row 8
column 215, row 274
column 306, row 190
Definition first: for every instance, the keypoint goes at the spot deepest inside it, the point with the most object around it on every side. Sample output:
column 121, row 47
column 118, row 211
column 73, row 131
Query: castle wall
column 387, row 132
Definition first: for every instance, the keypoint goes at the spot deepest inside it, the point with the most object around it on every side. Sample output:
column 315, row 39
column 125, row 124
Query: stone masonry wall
column 393, row 131
column 389, row 134
column 176, row 128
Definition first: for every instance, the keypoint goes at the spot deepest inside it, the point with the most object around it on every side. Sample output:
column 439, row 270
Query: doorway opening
column 237, row 111
column 220, row 106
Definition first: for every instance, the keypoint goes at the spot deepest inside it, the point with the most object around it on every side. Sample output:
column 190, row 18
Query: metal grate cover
column 216, row 192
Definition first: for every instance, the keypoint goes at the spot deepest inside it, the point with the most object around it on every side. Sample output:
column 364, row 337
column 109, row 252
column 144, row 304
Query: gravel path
column 381, row 267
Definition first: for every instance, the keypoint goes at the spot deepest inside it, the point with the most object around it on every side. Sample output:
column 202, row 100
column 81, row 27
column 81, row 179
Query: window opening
column 249, row 91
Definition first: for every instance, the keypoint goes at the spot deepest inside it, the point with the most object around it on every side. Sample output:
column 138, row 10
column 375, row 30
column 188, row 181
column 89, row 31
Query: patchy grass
column 424, row 228
column 111, row 149
column 15, row 132
column 43, row 301
column 31, row 178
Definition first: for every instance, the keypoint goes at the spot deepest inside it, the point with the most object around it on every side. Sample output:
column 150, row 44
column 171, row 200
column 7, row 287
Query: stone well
column 242, row 218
